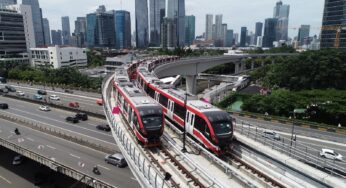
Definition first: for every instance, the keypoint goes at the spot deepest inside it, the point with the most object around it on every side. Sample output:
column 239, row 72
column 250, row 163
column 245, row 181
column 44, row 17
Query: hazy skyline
column 236, row 13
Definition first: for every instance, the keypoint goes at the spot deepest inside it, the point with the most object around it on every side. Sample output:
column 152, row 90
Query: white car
column 54, row 97
column 44, row 108
column 330, row 154
column 20, row 93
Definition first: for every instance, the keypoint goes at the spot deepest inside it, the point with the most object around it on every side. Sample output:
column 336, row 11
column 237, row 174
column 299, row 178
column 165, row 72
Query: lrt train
column 206, row 123
column 143, row 115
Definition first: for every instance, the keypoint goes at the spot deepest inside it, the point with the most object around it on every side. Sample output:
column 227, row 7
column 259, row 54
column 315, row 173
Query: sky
column 236, row 13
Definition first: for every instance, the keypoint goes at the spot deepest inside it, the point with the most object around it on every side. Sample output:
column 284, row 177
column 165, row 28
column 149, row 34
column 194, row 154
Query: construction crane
column 338, row 29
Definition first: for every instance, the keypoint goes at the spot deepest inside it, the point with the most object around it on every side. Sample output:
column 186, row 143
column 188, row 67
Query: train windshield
column 221, row 122
column 152, row 117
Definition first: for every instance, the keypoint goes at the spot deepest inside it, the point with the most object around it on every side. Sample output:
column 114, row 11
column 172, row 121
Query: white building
column 25, row 10
column 259, row 41
column 59, row 57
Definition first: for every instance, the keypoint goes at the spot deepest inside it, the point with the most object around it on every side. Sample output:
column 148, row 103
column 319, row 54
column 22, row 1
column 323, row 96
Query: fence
column 146, row 174
column 293, row 149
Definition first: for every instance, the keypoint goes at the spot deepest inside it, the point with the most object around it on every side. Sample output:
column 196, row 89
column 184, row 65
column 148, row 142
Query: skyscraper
column 66, row 32
column 229, row 38
column 218, row 27
column 304, row 32
column 123, row 29
column 176, row 12
column 223, row 35
column 258, row 30
column 269, row 32
column 190, row 25
column 37, row 19
column 157, row 13
column 142, row 31
column 7, row 2
column 333, row 16
column 46, row 31
column 169, row 33
column 209, row 27
column 56, row 37
column 80, row 31
column 243, row 35
column 281, row 12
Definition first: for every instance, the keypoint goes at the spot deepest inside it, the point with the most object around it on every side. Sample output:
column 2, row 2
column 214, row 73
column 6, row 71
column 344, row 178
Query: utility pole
column 184, row 135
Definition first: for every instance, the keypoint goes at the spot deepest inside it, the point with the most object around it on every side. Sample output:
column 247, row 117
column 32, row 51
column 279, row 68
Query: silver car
column 271, row 135
column 330, row 154
column 116, row 159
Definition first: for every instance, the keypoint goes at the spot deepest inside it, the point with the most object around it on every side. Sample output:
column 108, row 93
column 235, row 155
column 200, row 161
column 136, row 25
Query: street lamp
column 294, row 117
column 184, row 134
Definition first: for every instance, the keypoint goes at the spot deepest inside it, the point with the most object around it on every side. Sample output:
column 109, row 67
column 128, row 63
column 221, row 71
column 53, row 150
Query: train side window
column 207, row 132
column 180, row 111
column 200, row 124
column 135, row 121
column 151, row 92
column 125, row 106
column 163, row 100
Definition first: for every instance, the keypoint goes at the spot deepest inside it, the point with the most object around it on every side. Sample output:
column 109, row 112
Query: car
column 38, row 97
column 10, row 88
column 44, row 108
column 3, row 90
column 20, row 93
column 72, row 119
column 271, row 134
column 82, row 116
column 18, row 159
column 54, row 97
column 68, row 91
column 73, row 104
column 116, row 159
column 99, row 102
column 104, row 127
column 41, row 92
column 3, row 106
column 330, row 154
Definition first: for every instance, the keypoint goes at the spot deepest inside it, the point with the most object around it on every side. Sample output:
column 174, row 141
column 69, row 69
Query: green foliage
column 94, row 59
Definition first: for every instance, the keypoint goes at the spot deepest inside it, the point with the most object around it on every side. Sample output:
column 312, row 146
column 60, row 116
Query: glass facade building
column 142, row 31
column 37, row 19
column 123, row 29
column 334, row 16
column 190, row 27
column 243, row 35
column 157, row 13
column 46, row 31
column 270, row 29
column 56, row 37
column 66, row 32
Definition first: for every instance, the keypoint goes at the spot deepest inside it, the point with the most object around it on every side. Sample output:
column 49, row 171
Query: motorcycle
column 16, row 131
column 96, row 170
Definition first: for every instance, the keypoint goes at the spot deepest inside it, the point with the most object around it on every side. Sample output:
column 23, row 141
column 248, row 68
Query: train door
column 157, row 96
column 170, row 109
column 190, row 120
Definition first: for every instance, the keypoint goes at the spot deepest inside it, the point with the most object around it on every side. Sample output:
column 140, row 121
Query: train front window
column 152, row 117
column 221, row 122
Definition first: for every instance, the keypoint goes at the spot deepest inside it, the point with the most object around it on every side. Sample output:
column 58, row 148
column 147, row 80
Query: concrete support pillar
column 252, row 65
column 242, row 66
column 191, row 84
column 236, row 70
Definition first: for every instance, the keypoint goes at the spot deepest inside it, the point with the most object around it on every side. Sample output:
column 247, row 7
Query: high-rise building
column 258, row 30
column 46, row 31
column 281, row 12
column 270, row 29
column 190, row 27
column 56, row 37
column 218, row 27
column 333, row 16
column 243, row 35
column 169, row 33
column 176, row 11
column 66, row 32
column 213, row 31
column 157, row 13
column 7, row 2
column 235, row 38
column 229, row 38
column 142, row 31
column 303, row 33
column 101, row 29
column 80, row 31
column 37, row 19
column 123, row 29
column 209, row 27
column 13, row 44
column 223, row 35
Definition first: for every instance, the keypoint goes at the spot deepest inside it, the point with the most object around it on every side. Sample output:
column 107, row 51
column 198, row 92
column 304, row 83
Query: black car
column 3, row 90
column 82, row 116
column 3, row 106
column 10, row 88
column 42, row 92
column 72, row 119
column 104, row 127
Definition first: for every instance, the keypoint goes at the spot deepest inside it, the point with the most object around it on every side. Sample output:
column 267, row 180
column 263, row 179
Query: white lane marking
column 28, row 138
column 103, row 167
column 59, row 128
column 51, row 147
column 8, row 181
column 133, row 178
column 20, row 140
column 69, row 124
column 91, row 124
column 73, row 155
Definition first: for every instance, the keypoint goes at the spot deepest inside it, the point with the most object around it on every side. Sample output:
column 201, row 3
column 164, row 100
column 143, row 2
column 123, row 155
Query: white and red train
column 206, row 123
column 144, row 116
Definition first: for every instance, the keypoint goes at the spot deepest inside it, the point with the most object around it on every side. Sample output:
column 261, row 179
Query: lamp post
column 184, row 134
column 294, row 117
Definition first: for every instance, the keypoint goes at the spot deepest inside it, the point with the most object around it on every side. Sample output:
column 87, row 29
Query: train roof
column 175, row 92
column 137, row 96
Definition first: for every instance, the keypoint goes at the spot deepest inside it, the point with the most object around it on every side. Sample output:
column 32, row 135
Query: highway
column 86, row 100
column 68, row 153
